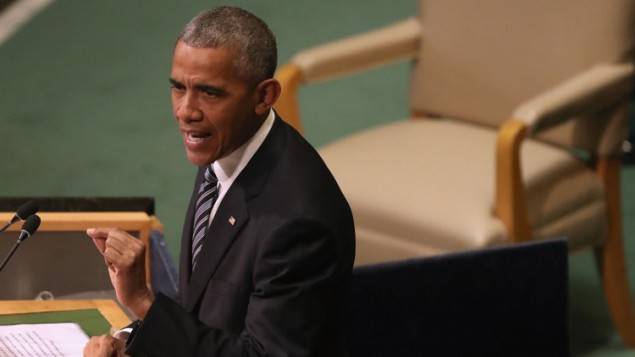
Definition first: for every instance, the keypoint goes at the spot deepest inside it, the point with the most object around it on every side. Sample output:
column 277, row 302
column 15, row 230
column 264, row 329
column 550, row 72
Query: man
column 268, row 241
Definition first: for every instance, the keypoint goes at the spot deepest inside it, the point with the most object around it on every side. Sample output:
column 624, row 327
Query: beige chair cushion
column 432, row 184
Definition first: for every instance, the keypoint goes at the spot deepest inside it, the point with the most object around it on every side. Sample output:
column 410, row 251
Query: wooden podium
column 61, row 258
column 107, row 308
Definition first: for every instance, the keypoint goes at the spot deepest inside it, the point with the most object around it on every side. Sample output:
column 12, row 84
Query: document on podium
column 58, row 339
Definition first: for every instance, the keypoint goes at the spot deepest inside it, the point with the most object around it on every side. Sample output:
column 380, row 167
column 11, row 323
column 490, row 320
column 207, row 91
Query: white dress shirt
column 229, row 167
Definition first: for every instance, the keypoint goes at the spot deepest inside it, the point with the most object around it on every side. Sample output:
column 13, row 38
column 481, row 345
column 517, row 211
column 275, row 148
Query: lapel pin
column 232, row 220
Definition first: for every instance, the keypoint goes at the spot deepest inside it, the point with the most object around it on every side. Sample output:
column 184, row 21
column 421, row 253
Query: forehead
column 202, row 63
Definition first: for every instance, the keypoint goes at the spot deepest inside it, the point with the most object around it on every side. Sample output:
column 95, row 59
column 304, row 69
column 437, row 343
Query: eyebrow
column 200, row 87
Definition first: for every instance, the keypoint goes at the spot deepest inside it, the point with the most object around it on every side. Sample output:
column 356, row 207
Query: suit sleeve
column 293, row 310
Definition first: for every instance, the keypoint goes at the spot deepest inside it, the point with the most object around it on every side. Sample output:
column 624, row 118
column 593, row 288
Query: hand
column 125, row 258
column 104, row 346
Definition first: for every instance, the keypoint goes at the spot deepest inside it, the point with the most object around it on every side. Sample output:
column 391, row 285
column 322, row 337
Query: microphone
column 28, row 228
column 27, row 209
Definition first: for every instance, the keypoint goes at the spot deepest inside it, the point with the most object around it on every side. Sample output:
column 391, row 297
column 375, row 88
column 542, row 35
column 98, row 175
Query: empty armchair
column 517, row 114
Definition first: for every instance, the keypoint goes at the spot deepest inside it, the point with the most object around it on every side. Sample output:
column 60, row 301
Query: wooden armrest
column 290, row 77
column 511, row 205
column 585, row 93
column 360, row 52
column 339, row 58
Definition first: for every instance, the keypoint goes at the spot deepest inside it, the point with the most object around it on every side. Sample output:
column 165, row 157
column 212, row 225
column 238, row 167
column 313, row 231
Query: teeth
column 197, row 139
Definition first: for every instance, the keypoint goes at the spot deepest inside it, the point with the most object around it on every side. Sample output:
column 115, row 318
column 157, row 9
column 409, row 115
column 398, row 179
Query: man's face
column 213, row 105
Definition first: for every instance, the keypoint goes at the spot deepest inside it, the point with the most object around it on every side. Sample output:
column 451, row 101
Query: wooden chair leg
column 610, row 257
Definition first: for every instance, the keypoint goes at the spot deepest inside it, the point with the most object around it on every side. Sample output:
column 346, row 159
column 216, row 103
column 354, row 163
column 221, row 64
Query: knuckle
column 115, row 233
column 130, row 259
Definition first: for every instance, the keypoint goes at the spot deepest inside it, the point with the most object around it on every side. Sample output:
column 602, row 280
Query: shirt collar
column 229, row 167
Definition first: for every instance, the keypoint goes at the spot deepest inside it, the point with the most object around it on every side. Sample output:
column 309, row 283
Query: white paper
column 59, row 340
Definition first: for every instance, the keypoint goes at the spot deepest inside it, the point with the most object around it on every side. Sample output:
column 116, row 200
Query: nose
column 187, row 109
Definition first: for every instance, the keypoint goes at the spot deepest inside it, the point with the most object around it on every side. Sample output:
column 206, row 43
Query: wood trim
column 156, row 224
column 611, row 258
column 74, row 221
column 290, row 77
column 80, row 221
column 511, row 205
column 417, row 114
column 108, row 308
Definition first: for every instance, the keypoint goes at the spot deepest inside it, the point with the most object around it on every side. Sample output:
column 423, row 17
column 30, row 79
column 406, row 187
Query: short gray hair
column 238, row 30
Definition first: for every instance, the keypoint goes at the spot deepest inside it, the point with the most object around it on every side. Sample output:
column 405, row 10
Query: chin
column 199, row 159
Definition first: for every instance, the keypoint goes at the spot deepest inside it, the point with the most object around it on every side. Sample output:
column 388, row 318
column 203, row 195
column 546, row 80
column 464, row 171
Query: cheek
column 175, row 106
column 227, row 118
column 219, row 125
column 224, row 130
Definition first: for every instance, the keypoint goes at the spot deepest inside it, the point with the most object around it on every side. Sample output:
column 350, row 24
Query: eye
column 211, row 92
column 177, row 87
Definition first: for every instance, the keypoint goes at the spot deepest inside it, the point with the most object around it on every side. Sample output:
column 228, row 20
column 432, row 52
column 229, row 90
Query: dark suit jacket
column 275, row 281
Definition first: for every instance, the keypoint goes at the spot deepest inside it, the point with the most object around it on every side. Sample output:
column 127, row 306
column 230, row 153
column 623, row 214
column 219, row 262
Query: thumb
column 99, row 236
column 99, row 232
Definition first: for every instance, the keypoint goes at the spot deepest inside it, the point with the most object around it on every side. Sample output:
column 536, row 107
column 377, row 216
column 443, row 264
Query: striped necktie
column 207, row 194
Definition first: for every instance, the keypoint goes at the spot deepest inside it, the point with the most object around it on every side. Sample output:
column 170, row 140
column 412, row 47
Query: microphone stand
column 6, row 225
column 13, row 249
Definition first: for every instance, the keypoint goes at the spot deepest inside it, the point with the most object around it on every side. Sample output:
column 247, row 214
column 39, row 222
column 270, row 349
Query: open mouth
column 197, row 137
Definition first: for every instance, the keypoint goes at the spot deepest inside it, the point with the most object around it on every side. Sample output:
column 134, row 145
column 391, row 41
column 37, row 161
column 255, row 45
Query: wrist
column 141, row 304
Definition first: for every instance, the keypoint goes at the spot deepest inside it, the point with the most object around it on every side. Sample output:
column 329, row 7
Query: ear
column 267, row 93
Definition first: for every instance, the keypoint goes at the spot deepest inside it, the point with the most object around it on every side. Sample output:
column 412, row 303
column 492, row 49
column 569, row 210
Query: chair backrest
column 481, row 59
